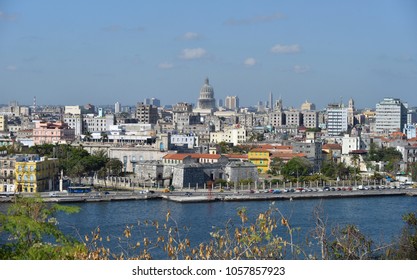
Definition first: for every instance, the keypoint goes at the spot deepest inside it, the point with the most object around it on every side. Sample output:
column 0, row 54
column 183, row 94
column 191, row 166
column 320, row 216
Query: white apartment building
column 75, row 122
column 350, row 144
column 391, row 116
column 190, row 141
column 93, row 123
column 337, row 119
column 235, row 136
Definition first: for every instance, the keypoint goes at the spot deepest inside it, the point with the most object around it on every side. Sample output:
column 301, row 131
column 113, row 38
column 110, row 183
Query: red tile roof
column 183, row 156
column 236, row 156
column 332, row 146
column 287, row 156
column 176, row 156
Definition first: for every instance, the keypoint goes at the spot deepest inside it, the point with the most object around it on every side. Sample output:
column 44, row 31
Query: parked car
column 276, row 191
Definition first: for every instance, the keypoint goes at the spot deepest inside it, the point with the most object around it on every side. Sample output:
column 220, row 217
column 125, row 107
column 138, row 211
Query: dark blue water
column 379, row 218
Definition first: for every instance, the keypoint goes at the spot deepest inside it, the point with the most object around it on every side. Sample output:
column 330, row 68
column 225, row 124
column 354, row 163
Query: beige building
column 307, row 106
column 311, row 119
column 3, row 123
column 236, row 135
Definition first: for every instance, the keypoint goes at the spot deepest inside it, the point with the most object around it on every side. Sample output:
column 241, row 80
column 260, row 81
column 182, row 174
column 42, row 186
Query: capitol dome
column 206, row 99
column 206, row 90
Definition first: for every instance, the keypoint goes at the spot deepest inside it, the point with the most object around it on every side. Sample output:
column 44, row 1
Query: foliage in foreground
column 31, row 231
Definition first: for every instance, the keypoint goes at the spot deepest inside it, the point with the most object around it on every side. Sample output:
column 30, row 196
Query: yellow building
column 261, row 158
column 34, row 174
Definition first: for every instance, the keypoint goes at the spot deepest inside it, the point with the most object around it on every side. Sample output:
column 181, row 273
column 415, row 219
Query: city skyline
column 108, row 52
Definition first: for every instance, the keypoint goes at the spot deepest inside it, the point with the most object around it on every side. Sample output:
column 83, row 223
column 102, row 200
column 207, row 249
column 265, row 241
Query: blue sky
column 99, row 52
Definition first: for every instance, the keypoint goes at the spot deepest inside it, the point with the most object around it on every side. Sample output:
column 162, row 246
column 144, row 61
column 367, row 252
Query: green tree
column 33, row 232
column 276, row 165
column 114, row 167
column 406, row 247
column 297, row 167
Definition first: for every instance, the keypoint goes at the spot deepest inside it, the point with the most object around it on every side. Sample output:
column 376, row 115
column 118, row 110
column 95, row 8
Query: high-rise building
column 232, row 102
column 293, row 118
column 337, row 119
column 117, row 107
column 271, row 101
column 412, row 115
column 220, row 103
column 310, row 119
column 351, row 112
column 155, row 102
column 3, row 123
column 391, row 115
column 152, row 101
column 146, row 113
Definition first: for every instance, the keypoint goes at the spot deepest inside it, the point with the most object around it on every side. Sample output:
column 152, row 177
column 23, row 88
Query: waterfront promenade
column 216, row 195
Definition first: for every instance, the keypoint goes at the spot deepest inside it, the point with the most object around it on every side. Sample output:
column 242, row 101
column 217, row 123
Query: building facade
column 35, row 174
column 260, row 158
column 232, row 103
column 146, row 113
column 337, row 119
column 391, row 116
column 3, row 123
column 206, row 103
column 234, row 135
column 52, row 133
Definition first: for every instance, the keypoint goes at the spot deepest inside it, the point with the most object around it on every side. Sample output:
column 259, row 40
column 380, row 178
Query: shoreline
column 204, row 196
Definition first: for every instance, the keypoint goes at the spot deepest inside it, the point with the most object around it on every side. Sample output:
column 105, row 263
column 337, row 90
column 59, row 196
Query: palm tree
column 104, row 137
column 88, row 136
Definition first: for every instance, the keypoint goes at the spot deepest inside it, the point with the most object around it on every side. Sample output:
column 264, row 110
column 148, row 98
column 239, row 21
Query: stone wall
column 237, row 171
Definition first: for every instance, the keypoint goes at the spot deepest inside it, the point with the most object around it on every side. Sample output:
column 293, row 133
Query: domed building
column 206, row 102
column 307, row 106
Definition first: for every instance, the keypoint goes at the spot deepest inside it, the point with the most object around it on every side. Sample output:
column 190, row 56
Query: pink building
column 52, row 133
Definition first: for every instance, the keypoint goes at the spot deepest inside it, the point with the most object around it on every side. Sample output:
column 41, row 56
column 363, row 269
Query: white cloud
column 165, row 65
column 299, row 69
column 286, row 49
column 189, row 36
column 189, row 54
column 250, row 61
